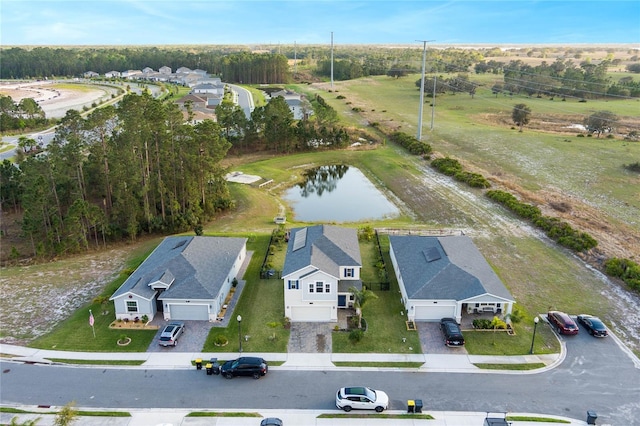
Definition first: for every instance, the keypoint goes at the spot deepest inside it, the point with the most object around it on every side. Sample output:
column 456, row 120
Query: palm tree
column 360, row 298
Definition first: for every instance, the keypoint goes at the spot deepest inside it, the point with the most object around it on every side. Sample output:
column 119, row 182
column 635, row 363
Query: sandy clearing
column 55, row 101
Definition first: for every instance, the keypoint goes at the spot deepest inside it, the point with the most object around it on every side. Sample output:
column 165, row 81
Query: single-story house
column 90, row 74
column 184, row 278
column 322, row 263
column 165, row 70
column 444, row 277
column 112, row 74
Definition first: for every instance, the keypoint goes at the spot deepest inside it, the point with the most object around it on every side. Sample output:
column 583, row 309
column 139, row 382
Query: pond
column 338, row 193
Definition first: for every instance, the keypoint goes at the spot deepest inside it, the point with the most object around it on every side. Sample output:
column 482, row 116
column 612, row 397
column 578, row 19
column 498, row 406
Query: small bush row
column 625, row 269
column 452, row 167
column 410, row 143
column 556, row 229
column 487, row 324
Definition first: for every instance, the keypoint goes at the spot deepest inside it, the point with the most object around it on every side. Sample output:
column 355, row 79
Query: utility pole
column 332, row 59
column 424, row 64
column 295, row 58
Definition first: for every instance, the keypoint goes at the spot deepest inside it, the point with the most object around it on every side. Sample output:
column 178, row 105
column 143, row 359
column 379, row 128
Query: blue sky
column 161, row 22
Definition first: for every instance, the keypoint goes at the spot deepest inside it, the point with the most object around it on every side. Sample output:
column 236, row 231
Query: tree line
column 122, row 171
column 141, row 168
column 234, row 65
column 561, row 78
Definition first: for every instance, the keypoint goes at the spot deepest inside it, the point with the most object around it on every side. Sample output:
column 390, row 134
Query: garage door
column 434, row 313
column 189, row 312
column 311, row 314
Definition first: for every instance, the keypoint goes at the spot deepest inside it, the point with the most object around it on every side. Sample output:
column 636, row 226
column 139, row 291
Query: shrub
column 498, row 324
column 220, row 340
column 356, row 335
column 447, row 166
column 482, row 323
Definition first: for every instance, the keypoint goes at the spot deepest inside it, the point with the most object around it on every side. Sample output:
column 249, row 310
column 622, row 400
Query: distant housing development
column 206, row 92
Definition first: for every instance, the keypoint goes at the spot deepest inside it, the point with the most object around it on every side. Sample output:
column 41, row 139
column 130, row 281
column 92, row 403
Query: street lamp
column 239, row 318
column 533, row 339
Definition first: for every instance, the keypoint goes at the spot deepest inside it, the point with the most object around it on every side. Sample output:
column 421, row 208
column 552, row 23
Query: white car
column 361, row 398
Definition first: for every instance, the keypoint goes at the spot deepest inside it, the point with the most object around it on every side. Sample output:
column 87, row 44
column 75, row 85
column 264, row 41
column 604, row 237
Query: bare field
column 55, row 99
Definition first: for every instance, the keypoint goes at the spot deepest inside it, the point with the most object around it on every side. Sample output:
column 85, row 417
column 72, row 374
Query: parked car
column 361, row 398
column 594, row 325
column 562, row 322
column 171, row 333
column 271, row 421
column 452, row 333
column 245, row 366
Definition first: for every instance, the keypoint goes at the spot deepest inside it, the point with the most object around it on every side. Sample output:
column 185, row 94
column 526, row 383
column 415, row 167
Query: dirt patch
column 43, row 295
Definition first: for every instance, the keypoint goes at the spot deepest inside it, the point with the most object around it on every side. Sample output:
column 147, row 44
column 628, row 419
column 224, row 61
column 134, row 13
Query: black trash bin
column 411, row 406
column 591, row 417
column 198, row 364
column 215, row 366
column 418, row 406
column 209, row 368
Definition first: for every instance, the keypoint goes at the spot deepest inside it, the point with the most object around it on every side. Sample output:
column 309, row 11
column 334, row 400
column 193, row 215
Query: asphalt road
column 597, row 375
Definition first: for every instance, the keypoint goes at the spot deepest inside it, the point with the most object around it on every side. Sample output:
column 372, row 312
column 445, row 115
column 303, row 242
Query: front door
column 342, row 301
column 159, row 304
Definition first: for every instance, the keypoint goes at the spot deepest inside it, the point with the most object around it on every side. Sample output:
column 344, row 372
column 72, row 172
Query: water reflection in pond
column 338, row 193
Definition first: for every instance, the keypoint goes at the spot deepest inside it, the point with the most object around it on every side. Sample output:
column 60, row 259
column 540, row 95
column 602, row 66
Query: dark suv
column 562, row 322
column 452, row 334
column 245, row 366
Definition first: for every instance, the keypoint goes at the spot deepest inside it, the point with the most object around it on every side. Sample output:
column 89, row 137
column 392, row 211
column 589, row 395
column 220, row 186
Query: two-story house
column 322, row 263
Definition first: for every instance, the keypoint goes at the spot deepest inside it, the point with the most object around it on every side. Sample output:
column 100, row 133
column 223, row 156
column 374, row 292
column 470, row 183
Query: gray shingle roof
column 326, row 247
column 195, row 267
column 448, row 267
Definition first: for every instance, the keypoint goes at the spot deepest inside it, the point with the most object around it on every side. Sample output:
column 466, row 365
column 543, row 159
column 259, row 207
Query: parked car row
column 564, row 324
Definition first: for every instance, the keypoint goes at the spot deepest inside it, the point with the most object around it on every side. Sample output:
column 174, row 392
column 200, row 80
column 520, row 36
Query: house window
column 132, row 306
column 293, row 285
column 327, row 288
column 311, row 288
column 319, row 287
column 349, row 273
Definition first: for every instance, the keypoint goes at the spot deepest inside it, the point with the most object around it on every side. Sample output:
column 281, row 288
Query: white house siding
column 301, row 304
column 145, row 307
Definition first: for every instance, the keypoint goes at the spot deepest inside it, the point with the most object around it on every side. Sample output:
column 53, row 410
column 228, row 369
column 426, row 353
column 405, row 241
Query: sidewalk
column 293, row 361
column 163, row 417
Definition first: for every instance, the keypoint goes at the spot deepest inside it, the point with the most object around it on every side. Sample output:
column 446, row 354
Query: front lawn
column 385, row 317
column 261, row 308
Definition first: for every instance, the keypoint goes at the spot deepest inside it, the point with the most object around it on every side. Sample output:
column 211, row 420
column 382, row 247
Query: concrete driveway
column 432, row 340
column 192, row 340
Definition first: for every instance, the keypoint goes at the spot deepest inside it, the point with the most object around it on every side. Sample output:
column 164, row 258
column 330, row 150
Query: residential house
column 131, row 74
column 147, row 70
column 112, row 74
column 184, row 278
column 322, row 263
column 90, row 74
column 297, row 105
column 165, row 70
column 445, row 276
